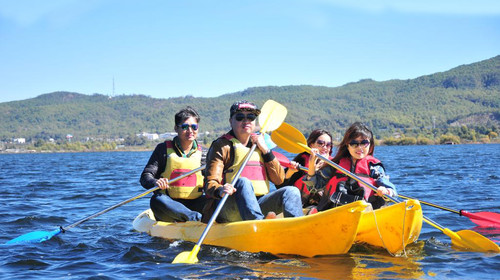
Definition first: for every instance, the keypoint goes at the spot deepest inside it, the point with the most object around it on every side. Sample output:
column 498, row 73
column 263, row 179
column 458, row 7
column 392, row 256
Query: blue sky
column 209, row 48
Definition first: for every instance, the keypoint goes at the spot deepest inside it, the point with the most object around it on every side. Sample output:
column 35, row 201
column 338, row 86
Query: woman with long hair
column 321, row 140
column 354, row 153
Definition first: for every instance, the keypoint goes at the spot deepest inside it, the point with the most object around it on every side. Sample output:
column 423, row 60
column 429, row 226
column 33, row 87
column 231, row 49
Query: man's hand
column 162, row 183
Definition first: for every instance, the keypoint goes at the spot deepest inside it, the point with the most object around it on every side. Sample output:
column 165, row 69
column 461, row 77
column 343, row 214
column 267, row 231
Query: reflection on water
column 350, row 266
column 381, row 266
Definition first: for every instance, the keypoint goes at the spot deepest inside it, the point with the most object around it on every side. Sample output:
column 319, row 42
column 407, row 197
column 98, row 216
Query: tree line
column 463, row 102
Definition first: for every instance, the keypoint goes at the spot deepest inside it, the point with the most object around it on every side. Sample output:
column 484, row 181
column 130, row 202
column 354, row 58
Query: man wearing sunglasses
column 183, row 200
column 249, row 198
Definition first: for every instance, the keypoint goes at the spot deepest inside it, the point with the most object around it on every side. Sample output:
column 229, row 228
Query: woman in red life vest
column 354, row 153
column 321, row 140
column 183, row 200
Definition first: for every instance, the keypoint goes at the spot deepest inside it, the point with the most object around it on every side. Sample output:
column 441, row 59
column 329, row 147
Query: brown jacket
column 219, row 158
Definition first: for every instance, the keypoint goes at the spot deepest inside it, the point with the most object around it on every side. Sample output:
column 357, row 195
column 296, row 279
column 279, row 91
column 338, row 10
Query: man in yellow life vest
column 183, row 200
column 249, row 198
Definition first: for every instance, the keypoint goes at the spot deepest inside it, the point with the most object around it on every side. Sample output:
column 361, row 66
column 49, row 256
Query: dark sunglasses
column 356, row 144
column 323, row 143
column 240, row 116
column 186, row 126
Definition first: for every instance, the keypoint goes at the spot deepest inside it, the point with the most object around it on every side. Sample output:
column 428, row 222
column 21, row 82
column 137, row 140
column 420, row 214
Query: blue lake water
column 45, row 191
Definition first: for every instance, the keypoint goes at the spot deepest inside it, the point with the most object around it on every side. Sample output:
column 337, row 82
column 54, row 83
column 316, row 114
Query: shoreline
column 149, row 149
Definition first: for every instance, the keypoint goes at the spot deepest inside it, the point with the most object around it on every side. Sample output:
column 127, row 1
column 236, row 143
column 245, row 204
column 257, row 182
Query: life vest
column 189, row 187
column 254, row 170
column 300, row 182
column 362, row 170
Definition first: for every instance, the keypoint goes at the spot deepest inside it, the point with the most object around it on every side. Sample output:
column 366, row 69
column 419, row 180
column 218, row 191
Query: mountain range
column 467, row 95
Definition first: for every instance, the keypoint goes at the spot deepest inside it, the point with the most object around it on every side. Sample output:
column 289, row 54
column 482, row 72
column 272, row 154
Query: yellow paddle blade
column 290, row 139
column 271, row 116
column 466, row 240
column 472, row 241
column 188, row 256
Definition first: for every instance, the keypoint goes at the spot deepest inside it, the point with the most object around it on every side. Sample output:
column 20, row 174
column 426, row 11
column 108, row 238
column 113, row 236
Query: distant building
column 168, row 135
column 396, row 135
column 20, row 140
column 149, row 136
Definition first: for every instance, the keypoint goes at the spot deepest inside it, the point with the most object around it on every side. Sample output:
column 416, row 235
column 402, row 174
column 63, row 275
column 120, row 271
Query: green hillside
column 465, row 96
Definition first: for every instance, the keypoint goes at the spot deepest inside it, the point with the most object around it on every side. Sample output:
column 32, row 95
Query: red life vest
column 362, row 170
column 300, row 183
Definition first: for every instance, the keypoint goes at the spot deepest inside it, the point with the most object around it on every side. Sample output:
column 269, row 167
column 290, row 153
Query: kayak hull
column 392, row 227
column 330, row 232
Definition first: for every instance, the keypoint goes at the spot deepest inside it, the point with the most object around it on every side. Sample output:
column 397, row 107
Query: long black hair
column 315, row 134
column 356, row 130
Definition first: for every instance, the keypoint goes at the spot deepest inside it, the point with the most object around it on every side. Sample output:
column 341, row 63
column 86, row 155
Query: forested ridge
column 466, row 97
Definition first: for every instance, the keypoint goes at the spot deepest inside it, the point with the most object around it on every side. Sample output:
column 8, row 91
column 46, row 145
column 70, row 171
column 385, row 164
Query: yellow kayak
column 326, row 233
column 392, row 227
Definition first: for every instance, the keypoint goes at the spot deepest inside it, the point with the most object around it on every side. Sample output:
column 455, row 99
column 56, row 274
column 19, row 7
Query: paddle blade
column 284, row 161
column 483, row 219
column 469, row 240
column 34, row 237
column 290, row 139
column 188, row 256
column 271, row 116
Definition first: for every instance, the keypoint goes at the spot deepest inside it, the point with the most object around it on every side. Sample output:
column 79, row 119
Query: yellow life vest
column 190, row 187
column 255, row 170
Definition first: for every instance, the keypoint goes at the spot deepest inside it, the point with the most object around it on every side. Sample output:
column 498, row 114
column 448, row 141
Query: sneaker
column 270, row 215
column 311, row 211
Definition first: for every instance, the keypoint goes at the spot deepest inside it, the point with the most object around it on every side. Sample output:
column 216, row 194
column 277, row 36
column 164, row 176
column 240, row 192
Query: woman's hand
column 162, row 183
column 294, row 167
column 312, row 162
column 319, row 164
column 381, row 191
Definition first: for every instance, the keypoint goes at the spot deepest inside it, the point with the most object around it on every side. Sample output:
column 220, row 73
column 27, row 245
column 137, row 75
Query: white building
column 20, row 140
column 149, row 136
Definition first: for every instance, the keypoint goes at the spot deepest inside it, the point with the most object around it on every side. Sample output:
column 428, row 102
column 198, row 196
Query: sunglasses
column 240, row 116
column 355, row 144
column 186, row 126
column 323, row 143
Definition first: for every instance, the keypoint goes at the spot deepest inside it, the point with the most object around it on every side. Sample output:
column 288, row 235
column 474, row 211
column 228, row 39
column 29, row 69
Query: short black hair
column 185, row 114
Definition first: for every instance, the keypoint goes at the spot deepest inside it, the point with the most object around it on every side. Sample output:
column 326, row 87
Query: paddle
column 270, row 118
column 292, row 140
column 40, row 236
column 483, row 219
column 284, row 161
